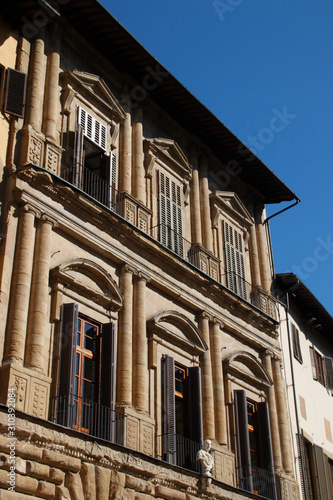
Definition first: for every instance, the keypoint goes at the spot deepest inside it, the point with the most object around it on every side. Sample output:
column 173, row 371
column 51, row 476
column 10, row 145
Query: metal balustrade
column 178, row 450
column 88, row 417
column 100, row 190
column 257, row 480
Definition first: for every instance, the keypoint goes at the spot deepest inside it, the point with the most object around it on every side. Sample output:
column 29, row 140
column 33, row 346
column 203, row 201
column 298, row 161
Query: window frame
column 296, row 344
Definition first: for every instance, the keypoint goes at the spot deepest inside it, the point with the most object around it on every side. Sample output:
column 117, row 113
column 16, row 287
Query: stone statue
column 207, row 461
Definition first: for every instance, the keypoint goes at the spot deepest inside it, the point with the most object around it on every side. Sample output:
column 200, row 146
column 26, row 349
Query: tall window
column 94, row 170
column 86, row 390
column 181, row 413
column 234, row 260
column 254, row 447
column 296, row 344
column 170, row 214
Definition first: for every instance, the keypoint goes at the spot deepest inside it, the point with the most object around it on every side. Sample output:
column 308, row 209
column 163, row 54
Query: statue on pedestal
column 207, row 461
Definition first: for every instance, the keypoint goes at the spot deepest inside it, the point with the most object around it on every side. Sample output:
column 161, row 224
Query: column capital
column 27, row 208
column 217, row 321
column 50, row 220
column 142, row 276
column 127, row 268
column 206, row 315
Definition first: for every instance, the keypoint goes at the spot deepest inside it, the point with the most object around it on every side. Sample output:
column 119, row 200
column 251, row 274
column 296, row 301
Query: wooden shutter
column 92, row 128
column 313, row 363
column 328, row 369
column 305, row 480
column 15, row 92
column 111, row 428
column 168, row 410
column 267, row 484
column 296, row 345
column 243, row 441
column 322, row 474
column 70, row 314
column 170, row 214
column 195, row 404
column 234, row 260
column 77, row 178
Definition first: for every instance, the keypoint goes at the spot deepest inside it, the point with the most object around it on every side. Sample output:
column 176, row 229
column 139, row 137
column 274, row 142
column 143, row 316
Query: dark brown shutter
column 267, row 484
column 328, row 368
column 70, row 313
column 303, row 467
column 111, row 424
column 168, row 410
column 195, row 404
column 243, row 441
column 322, row 474
column 15, row 91
column 108, row 362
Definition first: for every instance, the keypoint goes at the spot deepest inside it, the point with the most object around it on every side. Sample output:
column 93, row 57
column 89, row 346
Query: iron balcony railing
column 178, row 450
column 257, row 480
column 88, row 417
column 107, row 195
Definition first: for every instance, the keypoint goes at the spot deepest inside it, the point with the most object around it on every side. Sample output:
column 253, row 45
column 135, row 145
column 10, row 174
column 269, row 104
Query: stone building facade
column 136, row 272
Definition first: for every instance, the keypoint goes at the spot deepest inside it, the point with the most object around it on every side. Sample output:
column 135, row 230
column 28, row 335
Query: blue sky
column 246, row 60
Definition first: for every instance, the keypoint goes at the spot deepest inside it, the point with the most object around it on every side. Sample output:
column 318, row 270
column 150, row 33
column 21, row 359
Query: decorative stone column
column 206, row 224
column 262, row 251
column 218, row 383
column 36, row 84
column 138, row 182
column 273, row 418
column 20, row 288
column 195, row 201
column 125, row 354
column 53, row 149
column 125, row 175
column 36, row 356
column 51, row 99
column 32, row 147
column 140, row 345
column 254, row 256
column 207, row 383
column 281, row 402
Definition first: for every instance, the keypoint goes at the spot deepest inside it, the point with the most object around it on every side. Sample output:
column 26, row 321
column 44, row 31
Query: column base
column 140, row 430
column 224, row 464
column 32, row 390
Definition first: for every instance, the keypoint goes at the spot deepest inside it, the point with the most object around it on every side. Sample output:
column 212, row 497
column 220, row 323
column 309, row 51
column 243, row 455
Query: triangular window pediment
column 229, row 202
column 168, row 153
column 95, row 90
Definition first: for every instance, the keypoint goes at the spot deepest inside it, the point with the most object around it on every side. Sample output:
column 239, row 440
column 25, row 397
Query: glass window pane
column 87, row 390
column 87, row 368
column 77, row 364
column 89, row 343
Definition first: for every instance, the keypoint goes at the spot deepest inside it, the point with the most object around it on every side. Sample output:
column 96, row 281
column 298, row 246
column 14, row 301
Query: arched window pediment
column 177, row 329
column 90, row 280
column 247, row 367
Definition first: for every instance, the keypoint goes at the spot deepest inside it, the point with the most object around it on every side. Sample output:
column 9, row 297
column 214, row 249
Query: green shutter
column 15, row 92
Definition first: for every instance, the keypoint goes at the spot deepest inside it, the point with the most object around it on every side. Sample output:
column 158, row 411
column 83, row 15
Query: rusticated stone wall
column 51, row 464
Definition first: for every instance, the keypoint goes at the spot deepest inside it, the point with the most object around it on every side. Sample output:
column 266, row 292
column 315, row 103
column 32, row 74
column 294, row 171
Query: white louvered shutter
column 92, row 128
column 234, row 259
column 170, row 214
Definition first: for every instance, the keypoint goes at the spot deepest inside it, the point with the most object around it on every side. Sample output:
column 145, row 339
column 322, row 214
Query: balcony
column 137, row 214
column 178, row 450
column 257, row 480
column 88, row 417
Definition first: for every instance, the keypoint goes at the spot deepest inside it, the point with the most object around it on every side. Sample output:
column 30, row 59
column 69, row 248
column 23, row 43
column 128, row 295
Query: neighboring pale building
column 307, row 345
column 136, row 276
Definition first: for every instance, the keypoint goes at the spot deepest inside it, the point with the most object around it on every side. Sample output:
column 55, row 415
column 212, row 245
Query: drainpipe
column 286, row 308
